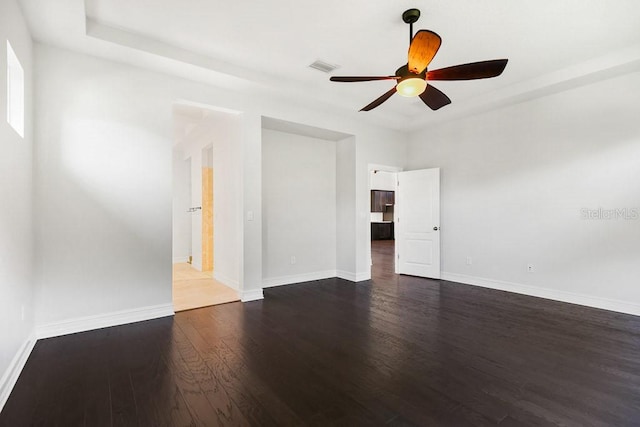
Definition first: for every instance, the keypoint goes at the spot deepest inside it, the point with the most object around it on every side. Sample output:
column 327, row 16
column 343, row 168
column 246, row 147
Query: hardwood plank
column 124, row 411
column 216, row 384
column 95, row 385
column 158, row 398
column 396, row 350
column 233, row 375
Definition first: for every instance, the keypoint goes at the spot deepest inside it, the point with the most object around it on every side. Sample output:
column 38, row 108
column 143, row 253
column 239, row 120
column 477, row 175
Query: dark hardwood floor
column 396, row 351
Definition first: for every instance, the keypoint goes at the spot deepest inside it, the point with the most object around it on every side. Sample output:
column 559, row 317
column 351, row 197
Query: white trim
column 180, row 259
column 298, row 278
column 384, row 168
column 353, row 277
column 10, row 376
column 363, row 276
column 196, row 265
column 253, row 295
column 81, row 324
column 346, row 275
column 552, row 294
column 225, row 280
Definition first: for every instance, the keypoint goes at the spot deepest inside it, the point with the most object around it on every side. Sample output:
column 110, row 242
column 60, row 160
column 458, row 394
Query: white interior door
column 418, row 223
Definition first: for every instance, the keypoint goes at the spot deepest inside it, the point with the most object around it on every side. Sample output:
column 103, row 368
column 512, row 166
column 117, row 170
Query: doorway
column 382, row 191
column 205, row 205
column 405, row 221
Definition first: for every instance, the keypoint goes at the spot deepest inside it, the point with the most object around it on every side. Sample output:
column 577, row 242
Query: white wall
column 383, row 180
column 251, row 251
column 104, row 158
column 298, row 208
column 227, row 201
column 346, row 219
column 514, row 182
column 181, row 203
column 16, row 229
column 103, row 182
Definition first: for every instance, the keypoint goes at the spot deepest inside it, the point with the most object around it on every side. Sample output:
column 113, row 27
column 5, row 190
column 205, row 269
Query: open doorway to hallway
column 382, row 187
column 205, row 207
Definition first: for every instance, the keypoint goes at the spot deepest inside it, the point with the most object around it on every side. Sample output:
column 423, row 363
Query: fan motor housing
column 404, row 73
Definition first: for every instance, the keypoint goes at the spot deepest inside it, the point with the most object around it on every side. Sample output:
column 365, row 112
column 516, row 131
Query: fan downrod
column 409, row 17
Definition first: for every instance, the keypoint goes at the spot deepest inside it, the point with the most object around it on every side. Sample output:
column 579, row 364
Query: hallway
column 382, row 252
column 195, row 289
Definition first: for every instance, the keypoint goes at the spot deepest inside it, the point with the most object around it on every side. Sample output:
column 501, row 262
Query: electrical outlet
column 293, row 260
column 469, row 260
column 530, row 268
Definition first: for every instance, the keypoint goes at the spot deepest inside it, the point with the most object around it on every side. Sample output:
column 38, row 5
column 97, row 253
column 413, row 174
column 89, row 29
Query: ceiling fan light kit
column 413, row 79
column 411, row 87
column 410, row 84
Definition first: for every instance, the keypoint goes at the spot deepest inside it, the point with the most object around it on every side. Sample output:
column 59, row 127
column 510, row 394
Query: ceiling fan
column 413, row 79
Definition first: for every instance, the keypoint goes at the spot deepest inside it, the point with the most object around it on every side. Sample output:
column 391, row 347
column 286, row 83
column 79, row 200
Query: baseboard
column 10, row 376
column 552, row 294
column 180, row 259
column 106, row 320
column 361, row 277
column 298, row 278
column 346, row 275
column 196, row 266
column 253, row 295
column 353, row 277
column 225, row 280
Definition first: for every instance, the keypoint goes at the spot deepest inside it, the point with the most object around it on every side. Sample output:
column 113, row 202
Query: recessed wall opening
column 300, row 202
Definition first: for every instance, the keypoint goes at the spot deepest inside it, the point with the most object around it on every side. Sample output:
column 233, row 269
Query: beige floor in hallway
column 194, row 289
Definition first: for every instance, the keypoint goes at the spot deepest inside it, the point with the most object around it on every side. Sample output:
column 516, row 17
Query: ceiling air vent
column 325, row 67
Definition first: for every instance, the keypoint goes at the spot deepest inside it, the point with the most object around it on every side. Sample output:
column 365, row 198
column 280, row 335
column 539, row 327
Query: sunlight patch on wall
column 112, row 164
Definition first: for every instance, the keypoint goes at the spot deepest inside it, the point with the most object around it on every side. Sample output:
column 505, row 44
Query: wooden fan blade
column 472, row 71
column 380, row 100
column 349, row 79
column 423, row 48
column 434, row 98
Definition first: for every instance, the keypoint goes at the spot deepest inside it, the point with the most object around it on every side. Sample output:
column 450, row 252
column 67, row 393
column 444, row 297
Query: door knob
column 436, row 228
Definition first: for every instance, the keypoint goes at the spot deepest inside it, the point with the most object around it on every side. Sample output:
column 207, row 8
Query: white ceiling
column 267, row 45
